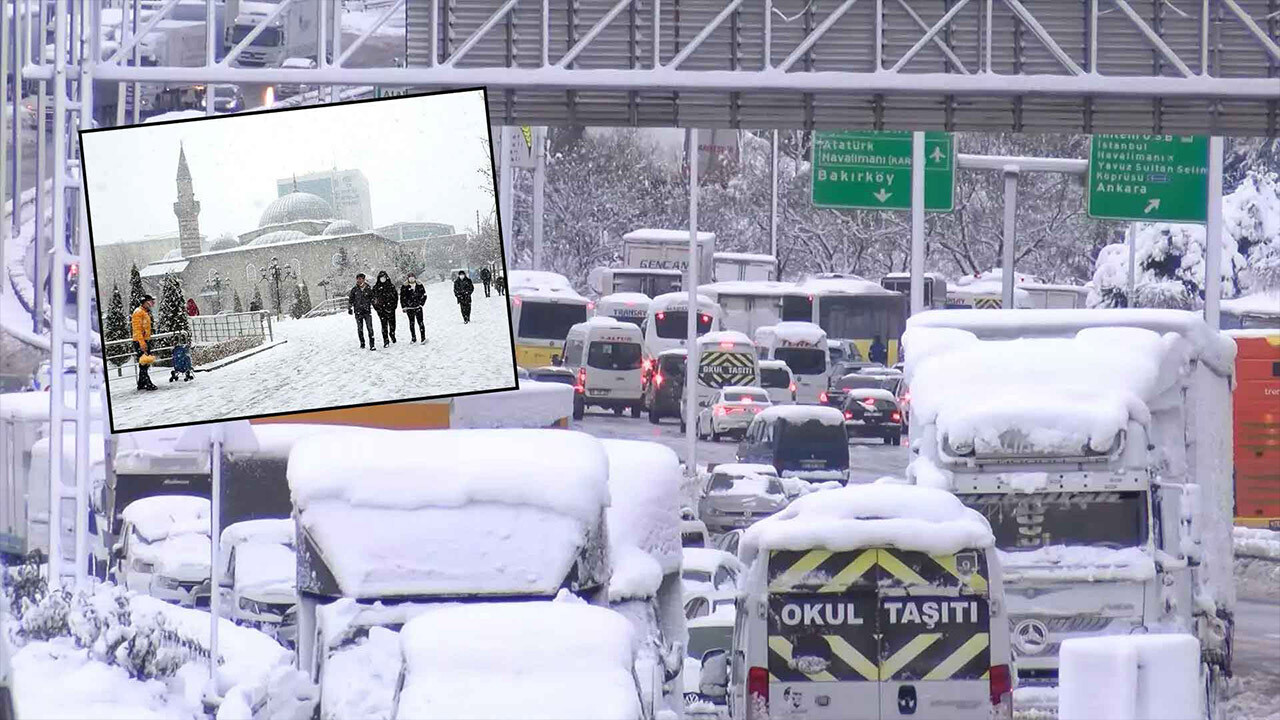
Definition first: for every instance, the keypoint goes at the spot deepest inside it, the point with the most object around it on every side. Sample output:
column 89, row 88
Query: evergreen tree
column 235, row 302
column 136, row 291
column 173, row 311
column 117, row 323
column 295, row 309
column 306, row 299
column 256, row 302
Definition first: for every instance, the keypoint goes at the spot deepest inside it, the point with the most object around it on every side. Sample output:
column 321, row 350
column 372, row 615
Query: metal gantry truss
column 1163, row 66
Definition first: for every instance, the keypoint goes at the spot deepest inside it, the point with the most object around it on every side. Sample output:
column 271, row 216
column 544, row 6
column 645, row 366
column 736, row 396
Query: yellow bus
column 849, row 307
column 543, row 308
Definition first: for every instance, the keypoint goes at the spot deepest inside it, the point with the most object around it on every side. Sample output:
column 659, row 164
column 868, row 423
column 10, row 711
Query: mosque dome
column 276, row 237
column 296, row 206
column 224, row 244
column 341, row 227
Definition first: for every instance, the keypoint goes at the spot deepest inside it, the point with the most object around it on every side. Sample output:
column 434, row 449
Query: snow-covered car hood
column 183, row 557
column 742, row 502
column 264, row 568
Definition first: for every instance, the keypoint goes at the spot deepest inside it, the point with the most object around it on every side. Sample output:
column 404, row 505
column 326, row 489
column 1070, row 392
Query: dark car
column 872, row 413
column 551, row 374
column 803, row 441
column 665, row 388
column 841, row 386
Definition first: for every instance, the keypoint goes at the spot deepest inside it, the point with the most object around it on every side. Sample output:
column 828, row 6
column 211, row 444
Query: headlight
column 959, row 448
column 143, row 566
column 165, row 583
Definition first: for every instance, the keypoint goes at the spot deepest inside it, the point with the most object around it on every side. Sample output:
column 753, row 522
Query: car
column 693, row 534
column 164, row 549
column 287, row 90
column 665, row 389
column 843, row 351
column 226, row 98
column 708, row 570
column 840, row 388
column 703, row 603
column 731, row 412
column 607, row 359
column 778, row 380
column 553, row 374
column 733, row 500
column 730, row 541
column 710, row 630
column 872, row 413
column 259, row 572
column 801, row 441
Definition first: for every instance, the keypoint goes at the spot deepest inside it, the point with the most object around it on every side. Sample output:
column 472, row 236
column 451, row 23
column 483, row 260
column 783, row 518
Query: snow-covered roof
column 644, row 486
column 995, row 275
column 906, row 517
column 298, row 62
column 804, row 413
column 269, row 530
column 754, row 288
column 746, row 469
column 34, row 406
column 97, row 447
column 625, row 298
column 707, row 559
column 666, row 235
column 871, row 394
column 1261, row 303
column 296, row 206
column 157, row 269
column 666, row 301
column 986, row 288
column 745, row 390
column 774, row 365
column 277, row 237
column 746, row 257
column 725, row 336
column 1066, row 394
column 604, row 322
column 749, row 485
column 537, row 279
column 532, row 405
column 669, row 272
column 160, row 516
column 840, row 286
column 673, row 352
column 412, row 469
column 275, row 440
column 563, row 660
column 793, row 331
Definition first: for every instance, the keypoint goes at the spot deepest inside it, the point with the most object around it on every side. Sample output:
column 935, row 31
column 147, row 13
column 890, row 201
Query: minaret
column 187, row 208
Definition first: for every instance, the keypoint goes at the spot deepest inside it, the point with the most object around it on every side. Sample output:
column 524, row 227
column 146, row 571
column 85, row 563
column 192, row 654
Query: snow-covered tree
column 236, row 305
column 136, row 291
column 1251, row 215
column 256, row 302
column 301, row 301
column 117, row 323
column 405, row 261
column 173, row 311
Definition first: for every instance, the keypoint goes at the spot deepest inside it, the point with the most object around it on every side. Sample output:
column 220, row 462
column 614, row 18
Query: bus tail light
column 758, row 693
column 823, row 397
column 1001, row 683
column 726, row 346
column 582, row 381
column 895, row 416
column 657, row 380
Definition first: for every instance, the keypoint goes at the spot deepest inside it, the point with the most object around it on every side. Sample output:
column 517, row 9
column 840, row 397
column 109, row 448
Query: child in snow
column 182, row 360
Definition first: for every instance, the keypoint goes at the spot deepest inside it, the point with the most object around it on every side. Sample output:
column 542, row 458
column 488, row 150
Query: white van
column 630, row 307
column 894, row 607
column 725, row 359
column 778, row 380
column 666, row 327
column 607, row 357
column 803, row 347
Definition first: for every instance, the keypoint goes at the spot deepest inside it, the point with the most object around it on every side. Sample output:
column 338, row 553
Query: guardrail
column 332, row 306
column 128, row 363
column 212, row 329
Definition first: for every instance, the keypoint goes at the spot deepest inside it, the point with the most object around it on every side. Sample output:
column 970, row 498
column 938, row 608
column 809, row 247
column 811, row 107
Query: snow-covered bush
column 206, row 354
column 25, row 582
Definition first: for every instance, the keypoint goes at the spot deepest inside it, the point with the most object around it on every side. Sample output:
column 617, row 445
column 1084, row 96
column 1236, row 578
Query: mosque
column 300, row 233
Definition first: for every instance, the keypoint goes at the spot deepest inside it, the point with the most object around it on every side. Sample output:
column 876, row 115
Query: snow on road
column 321, row 365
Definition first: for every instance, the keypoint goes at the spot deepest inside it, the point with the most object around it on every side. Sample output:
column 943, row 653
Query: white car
column 260, row 575
column 778, row 380
column 164, row 549
column 733, row 500
column 706, row 570
column 731, row 412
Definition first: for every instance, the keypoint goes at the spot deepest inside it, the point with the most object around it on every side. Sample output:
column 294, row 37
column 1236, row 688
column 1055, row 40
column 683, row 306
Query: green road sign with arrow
column 1155, row 178
column 872, row 170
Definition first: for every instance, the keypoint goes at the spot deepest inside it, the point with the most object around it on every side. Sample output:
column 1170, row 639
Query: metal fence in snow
column 212, row 329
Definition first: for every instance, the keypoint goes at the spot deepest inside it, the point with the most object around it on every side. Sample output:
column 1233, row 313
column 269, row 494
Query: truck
column 1097, row 443
column 654, row 263
column 292, row 34
column 731, row 266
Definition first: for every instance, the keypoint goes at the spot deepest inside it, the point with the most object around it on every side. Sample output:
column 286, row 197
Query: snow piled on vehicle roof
column 870, row 394
column 795, row 331
column 276, row 440
column 725, row 336
column 161, row 516
column 803, row 413
column 1266, row 302
column 707, row 559
column 28, row 406
column 554, row 660
column 747, row 287
column 906, row 517
column 644, row 487
column 665, row 301
column 533, row 405
column 625, row 298
column 1064, row 394
column 562, row 471
column 268, row 530
column 744, row 469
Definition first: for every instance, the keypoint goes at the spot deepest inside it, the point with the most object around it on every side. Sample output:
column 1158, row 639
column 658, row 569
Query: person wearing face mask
column 413, row 295
column 360, row 304
column 462, row 290
column 385, row 299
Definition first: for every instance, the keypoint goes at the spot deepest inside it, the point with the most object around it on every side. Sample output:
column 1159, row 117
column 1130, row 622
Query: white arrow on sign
column 937, row 155
column 1152, row 204
column 882, row 195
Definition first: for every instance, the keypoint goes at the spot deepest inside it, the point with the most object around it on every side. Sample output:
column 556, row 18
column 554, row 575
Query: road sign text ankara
column 1149, row 178
column 872, row 170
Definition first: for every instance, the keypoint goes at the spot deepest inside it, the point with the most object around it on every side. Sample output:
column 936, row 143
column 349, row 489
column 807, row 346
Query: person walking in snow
column 192, row 310
column 360, row 304
column 140, row 321
column 462, row 290
column 486, row 277
column 385, row 299
column 500, row 282
column 878, row 353
column 412, row 297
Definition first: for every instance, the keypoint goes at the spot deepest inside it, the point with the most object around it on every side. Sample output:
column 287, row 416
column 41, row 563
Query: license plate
column 872, row 414
column 813, row 463
column 597, row 392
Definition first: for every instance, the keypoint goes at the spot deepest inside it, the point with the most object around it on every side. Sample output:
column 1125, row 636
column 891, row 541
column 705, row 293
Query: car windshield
column 711, row 637
column 672, row 365
column 672, row 324
column 774, row 378
column 549, row 321
column 614, row 356
column 696, row 576
column 802, row 361
column 744, row 396
column 1035, row 520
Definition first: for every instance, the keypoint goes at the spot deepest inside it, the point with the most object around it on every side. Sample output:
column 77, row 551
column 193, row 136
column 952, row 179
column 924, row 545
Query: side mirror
column 713, row 680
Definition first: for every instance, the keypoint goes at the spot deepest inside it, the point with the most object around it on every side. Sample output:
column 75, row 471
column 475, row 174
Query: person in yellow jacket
column 141, row 323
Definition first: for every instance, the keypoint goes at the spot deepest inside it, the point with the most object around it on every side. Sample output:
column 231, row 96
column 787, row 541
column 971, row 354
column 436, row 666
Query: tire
column 654, row 417
column 635, row 410
column 683, row 428
column 579, row 408
column 889, row 440
column 617, row 410
column 715, row 436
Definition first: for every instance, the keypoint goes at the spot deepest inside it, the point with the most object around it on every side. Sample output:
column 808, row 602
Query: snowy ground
column 323, row 366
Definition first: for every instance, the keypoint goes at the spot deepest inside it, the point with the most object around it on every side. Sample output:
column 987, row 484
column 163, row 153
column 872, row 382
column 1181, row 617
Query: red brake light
column 657, row 380
column 848, row 415
column 74, row 269
column 895, row 416
column 721, row 410
column 868, row 403
column 726, row 345
column 591, row 306
column 758, row 692
column 1001, row 683
column 706, row 318
column 823, row 397
column 792, row 387
column 516, row 301
column 661, row 315
column 582, row 380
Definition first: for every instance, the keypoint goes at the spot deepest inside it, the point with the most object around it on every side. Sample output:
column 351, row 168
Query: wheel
column 683, row 427
column 579, row 408
column 715, row 436
column 889, row 440
column 654, row 417
column 635, row 410
column 617, row 410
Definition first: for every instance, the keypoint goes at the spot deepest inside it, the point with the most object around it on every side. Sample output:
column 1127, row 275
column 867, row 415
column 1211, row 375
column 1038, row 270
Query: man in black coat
column 385, row 299
column 412, row 297
column 500, row 283
column 360, row 304
column 462, row 289
column 878, row 353
column 486, row 277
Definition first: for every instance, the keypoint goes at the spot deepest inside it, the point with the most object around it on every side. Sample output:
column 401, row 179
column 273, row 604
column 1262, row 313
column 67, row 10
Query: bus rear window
column 802, row 361
column 614, row 356
column 549, row 321
column 775, row 378
column 673, row 324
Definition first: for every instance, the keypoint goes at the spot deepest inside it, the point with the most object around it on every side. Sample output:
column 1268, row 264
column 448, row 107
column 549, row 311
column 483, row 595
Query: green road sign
column 872, row 170
column 1149, row 177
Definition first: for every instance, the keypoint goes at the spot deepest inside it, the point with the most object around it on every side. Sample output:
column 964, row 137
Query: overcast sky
column 421, row 155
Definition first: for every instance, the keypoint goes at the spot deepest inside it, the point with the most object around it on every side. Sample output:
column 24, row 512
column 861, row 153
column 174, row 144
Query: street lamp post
column 272, row 273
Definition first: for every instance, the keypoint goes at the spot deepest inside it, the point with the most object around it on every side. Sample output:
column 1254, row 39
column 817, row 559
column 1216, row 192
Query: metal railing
column 332, row 306
column 212, row 329
column 128, row 363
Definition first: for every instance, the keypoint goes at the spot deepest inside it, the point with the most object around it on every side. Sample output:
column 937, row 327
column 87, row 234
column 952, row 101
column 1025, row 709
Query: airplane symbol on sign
column 937, row 155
